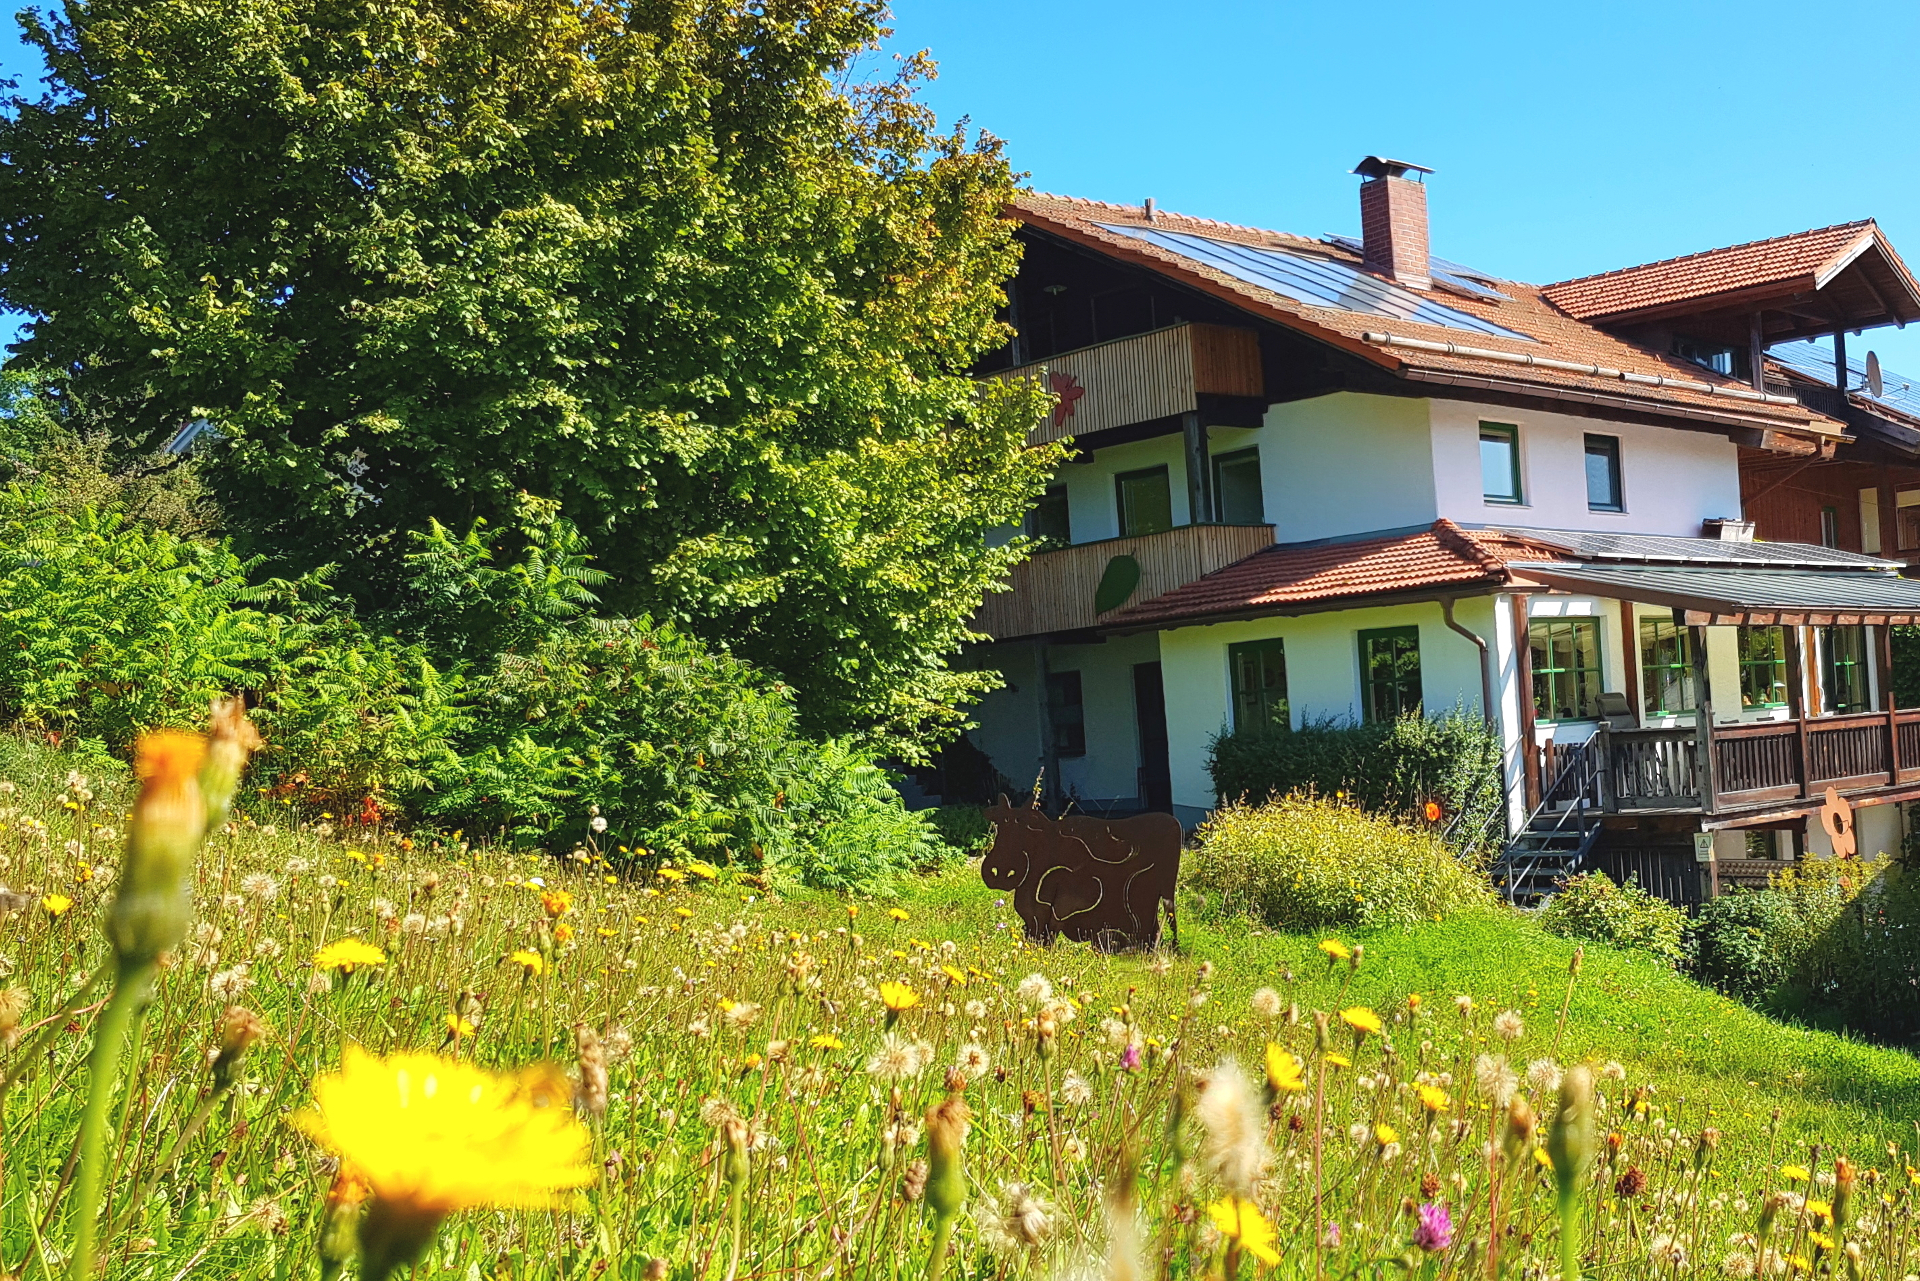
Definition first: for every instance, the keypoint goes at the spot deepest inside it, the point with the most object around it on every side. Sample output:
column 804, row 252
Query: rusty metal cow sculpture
column 1093, row 880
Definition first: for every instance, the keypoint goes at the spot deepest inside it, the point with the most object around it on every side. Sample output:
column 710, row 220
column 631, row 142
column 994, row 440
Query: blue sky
column 1567, row 138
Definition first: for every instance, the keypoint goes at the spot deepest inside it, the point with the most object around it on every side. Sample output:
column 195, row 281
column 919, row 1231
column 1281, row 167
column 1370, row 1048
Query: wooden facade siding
column 1054, row 591
column 1149, row 376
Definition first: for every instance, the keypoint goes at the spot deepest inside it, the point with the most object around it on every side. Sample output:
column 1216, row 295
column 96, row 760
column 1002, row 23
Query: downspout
column 1486, row 678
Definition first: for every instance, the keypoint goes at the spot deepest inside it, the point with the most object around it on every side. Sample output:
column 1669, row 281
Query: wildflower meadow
column 256, row 1043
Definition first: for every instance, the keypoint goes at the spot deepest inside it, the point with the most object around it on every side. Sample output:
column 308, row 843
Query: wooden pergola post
column 1704, row 771
column 1797, row 706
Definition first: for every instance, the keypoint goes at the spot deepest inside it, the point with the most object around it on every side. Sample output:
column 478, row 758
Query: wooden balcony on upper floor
column 1063, row 590
column 1149, row 379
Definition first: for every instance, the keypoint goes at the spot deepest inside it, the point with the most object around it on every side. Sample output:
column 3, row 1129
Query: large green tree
column 685, row 266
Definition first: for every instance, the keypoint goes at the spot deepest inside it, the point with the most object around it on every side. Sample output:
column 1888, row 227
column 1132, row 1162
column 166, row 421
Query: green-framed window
column 1500, row 463
column 1604, row 490
column 1048, row 522
column 1066, row 714
column 1259, row 671
column 1843, row 669
column 1666, row 668
column 1237, row 496
column 1763, row 667
column 1390, row 672
column 1567, row 677
column 1146, row 501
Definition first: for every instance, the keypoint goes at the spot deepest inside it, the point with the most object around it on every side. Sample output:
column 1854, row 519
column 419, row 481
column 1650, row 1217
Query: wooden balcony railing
column 1055, row 591
column 1151, row 376
column 1762, row 762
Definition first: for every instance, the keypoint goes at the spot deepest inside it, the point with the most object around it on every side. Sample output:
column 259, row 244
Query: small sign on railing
column 1703, row 847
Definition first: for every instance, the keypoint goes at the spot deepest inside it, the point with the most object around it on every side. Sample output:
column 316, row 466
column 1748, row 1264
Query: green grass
column 828, row 1190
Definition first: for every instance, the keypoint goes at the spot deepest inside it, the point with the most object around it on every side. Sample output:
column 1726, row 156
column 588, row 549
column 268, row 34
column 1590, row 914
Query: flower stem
column 129, row 992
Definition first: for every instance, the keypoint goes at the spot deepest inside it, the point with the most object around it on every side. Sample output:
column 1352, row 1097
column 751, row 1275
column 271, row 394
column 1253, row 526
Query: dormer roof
column 1811, row 282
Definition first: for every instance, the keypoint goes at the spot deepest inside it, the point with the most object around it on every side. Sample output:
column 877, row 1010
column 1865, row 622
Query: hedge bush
column 1591, row 906
column 1309, row 862
column 1392, row 767
column 111, row 625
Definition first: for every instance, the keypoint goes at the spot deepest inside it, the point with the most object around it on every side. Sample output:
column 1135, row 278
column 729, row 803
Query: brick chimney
column 1393, row 220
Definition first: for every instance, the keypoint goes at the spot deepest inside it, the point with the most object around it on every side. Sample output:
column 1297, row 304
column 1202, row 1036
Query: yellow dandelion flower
column 1820, row 1209
column 705, row 871
column 671, row 874
column 56, row 905
column 356, row 856
column 1242, row 1223
column 827, row 1041
column 1284, row 1070
column 1336, row 951
column 347, row 955
column 1821, row 1241
column 431, row 1136
column 1384, row 1134
column 1361, row 1020
column 898, row 996
column 557, row 903
column 1432, row 1098
column 897, row 913
column 955, row 975
column 532, row 962
column 1339, row 1060
column 458, row 1026
column 1542, row 1159
column 683, row 911
column 1797, row 1173
column 563, row 933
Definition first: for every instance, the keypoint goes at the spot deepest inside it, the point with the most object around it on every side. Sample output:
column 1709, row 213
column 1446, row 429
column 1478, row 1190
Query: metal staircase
column 1560, row 832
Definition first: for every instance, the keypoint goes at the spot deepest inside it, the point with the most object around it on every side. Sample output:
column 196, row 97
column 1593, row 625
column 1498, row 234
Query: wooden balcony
column 1056, row 591
column 1760, row 763
column 1147, row 378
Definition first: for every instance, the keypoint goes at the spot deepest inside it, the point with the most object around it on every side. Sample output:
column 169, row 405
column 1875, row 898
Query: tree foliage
column 673, row 264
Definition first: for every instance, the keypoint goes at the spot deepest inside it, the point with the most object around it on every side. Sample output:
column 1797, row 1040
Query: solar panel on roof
column 1810, row 358
column 1318, row 282
column 1466, row 279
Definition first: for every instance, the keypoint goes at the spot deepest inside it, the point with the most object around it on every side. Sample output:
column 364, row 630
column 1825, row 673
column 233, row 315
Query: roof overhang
column 1793, row 435
column 1863, row 285
column 1744, row 597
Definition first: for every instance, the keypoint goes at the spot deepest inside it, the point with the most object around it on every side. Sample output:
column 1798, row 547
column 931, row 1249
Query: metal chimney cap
column 1381, row 167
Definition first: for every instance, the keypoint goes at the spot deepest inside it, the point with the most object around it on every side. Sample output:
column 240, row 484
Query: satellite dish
column 1875, row 388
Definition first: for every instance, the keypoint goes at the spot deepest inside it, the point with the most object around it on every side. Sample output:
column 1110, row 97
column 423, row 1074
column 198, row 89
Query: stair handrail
column 1577, row 776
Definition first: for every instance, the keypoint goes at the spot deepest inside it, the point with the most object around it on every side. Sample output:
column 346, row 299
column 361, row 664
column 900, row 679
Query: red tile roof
column 1278, row 578
column 1811, row 257
column 1552, row 333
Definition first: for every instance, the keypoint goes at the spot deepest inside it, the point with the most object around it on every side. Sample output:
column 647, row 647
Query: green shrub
column 1743, row 943
column 1394, row 768
column 1305, row 862
column 1590, row 906
column 112, row 625
column 963, row 827
column 682, row 752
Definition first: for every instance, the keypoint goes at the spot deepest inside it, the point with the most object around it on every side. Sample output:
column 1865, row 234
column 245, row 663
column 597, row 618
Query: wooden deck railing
column 1144, row 378
column 1054, row 591
column 1761, row 762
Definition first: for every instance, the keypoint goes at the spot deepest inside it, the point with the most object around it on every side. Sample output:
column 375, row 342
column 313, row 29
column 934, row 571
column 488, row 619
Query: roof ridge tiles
column 1705, row 253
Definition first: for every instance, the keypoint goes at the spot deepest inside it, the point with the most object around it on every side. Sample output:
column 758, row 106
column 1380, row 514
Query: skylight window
column 1317, row 282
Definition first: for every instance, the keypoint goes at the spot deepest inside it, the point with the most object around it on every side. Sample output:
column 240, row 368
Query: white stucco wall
column 1876, row 831
column 1093, row 505
column 1110, row 769
column 1008, row 720
column 1323, row 674
column 1671, row 479
column 1345, row 464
